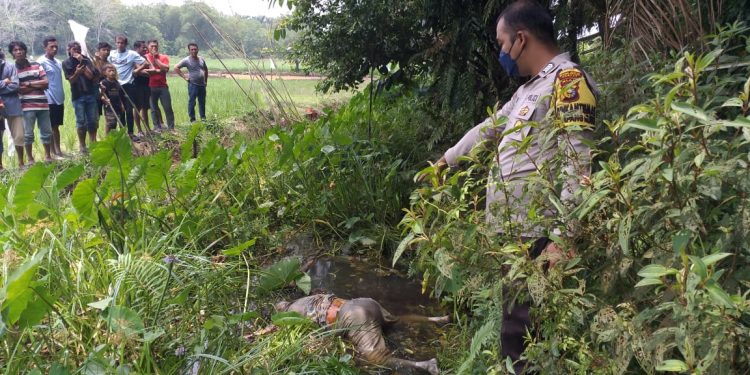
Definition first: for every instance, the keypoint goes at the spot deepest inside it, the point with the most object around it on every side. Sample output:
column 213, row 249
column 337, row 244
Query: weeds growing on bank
column 658, row 282
column 167, row 262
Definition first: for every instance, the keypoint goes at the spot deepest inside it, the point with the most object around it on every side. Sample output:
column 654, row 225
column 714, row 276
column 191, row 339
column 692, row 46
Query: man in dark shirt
column 83, row 77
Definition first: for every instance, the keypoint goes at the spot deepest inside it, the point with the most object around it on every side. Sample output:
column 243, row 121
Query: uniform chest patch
column 523, row 111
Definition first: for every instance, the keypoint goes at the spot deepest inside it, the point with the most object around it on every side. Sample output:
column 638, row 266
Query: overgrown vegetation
column 659, row 279
column 166, row 263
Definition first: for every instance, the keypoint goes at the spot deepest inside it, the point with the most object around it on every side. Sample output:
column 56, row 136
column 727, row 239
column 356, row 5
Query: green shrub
column 661, row 236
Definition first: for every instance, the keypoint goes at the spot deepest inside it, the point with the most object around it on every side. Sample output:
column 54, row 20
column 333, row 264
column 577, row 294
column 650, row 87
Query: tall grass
column 224, row 100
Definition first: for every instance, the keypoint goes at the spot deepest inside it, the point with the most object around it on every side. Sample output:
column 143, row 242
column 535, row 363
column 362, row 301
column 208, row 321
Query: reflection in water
column 348, row 278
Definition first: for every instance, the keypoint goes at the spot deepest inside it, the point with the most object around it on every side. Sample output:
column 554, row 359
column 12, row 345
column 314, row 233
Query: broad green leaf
column 35, row 310
column 690, row 110
column 158, row 170
column 402, row 247
column 84, row 199
column 642, row 124
column 29, row 186
column 68, row 177
column 649, row 281
column 709, row 260
column 674, row 365
column 124, row 320
column 699, row 158
column 279, row 274
column 17, row 292
column 123, row 147
column 237, row 250
column 680, row 241
column 704, row 61
column 718, row 294
column 304, row 283
column 655, row 271
column 590, row 202
column 58, row 369
column 152, row 334
column 732, row 102
column 116, row 146
column 137, row 171
column 289, row 318
column 739, row 122
column 102, row 304
column 243, row 317
column 698, row 267
column 101, row 152
column 16, row 306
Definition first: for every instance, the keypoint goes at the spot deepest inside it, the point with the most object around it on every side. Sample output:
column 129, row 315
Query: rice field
column 224, row 99
column 238, row 65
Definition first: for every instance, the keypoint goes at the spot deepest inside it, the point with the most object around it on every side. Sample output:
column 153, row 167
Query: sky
column 242, row 7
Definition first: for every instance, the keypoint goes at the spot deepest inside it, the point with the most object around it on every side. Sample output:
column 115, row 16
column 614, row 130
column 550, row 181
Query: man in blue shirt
column 127, row 62
column 54, row 92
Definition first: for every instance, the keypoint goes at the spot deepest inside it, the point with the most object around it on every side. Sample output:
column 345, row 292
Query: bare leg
column 81, row 140
column 56, row 141
column 92, row 136
column 48, row 152
column 144, row 117
column 137, row 116
column 29, row 152
column 429, row 366
column 19, row 152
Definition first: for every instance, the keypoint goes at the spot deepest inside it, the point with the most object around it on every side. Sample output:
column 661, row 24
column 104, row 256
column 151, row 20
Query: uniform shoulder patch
column 575, row 103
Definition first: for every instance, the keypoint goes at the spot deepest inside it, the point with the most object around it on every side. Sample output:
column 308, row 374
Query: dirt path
column 286, row 77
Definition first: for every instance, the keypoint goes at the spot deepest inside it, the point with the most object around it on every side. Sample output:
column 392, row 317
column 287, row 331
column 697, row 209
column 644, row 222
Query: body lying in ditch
column 362, row 321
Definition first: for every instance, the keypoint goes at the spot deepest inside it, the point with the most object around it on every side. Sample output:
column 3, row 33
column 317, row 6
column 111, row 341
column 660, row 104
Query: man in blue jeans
column 197, row 80
column 32, row 82
column 55, row 93
column 84, row 90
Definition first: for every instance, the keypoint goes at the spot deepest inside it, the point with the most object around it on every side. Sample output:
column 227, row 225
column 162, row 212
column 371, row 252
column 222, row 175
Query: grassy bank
column 224, row 100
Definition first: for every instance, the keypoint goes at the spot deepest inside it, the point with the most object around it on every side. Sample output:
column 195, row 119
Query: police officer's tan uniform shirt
column 571, row 91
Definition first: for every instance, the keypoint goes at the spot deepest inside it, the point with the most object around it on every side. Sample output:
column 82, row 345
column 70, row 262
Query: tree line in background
column 173, row 26
column 450, row 43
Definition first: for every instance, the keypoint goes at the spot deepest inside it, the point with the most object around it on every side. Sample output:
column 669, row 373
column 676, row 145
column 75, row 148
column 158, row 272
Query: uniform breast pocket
column 518, row 122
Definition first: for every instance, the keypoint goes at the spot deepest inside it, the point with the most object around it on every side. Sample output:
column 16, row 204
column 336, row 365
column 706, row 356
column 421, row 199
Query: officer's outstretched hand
column 554, row 254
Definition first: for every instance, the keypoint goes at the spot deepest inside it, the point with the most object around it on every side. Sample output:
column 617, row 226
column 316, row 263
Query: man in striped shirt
column 32, row 83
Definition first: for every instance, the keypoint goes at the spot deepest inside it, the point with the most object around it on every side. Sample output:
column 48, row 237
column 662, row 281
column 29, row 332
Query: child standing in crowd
column 113, row 99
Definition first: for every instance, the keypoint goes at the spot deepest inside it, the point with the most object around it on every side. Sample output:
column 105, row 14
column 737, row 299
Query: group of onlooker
column 121, row 84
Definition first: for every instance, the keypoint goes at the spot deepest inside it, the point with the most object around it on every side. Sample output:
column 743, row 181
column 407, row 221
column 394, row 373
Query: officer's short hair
column 531, row 16
column 139, row 44
column 103, row 45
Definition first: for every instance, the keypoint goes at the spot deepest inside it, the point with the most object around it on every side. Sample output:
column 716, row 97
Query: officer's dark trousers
column 516, row 321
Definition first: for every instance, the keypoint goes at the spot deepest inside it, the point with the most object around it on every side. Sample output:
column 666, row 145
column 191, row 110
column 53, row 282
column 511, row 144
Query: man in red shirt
column 157, row 82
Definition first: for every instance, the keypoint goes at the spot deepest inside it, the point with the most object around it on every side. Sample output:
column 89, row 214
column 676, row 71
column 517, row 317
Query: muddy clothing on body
column 361, row 319
column 561, row 88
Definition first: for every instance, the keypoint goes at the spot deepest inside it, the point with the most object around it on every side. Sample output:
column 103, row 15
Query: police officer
column 557, row 88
